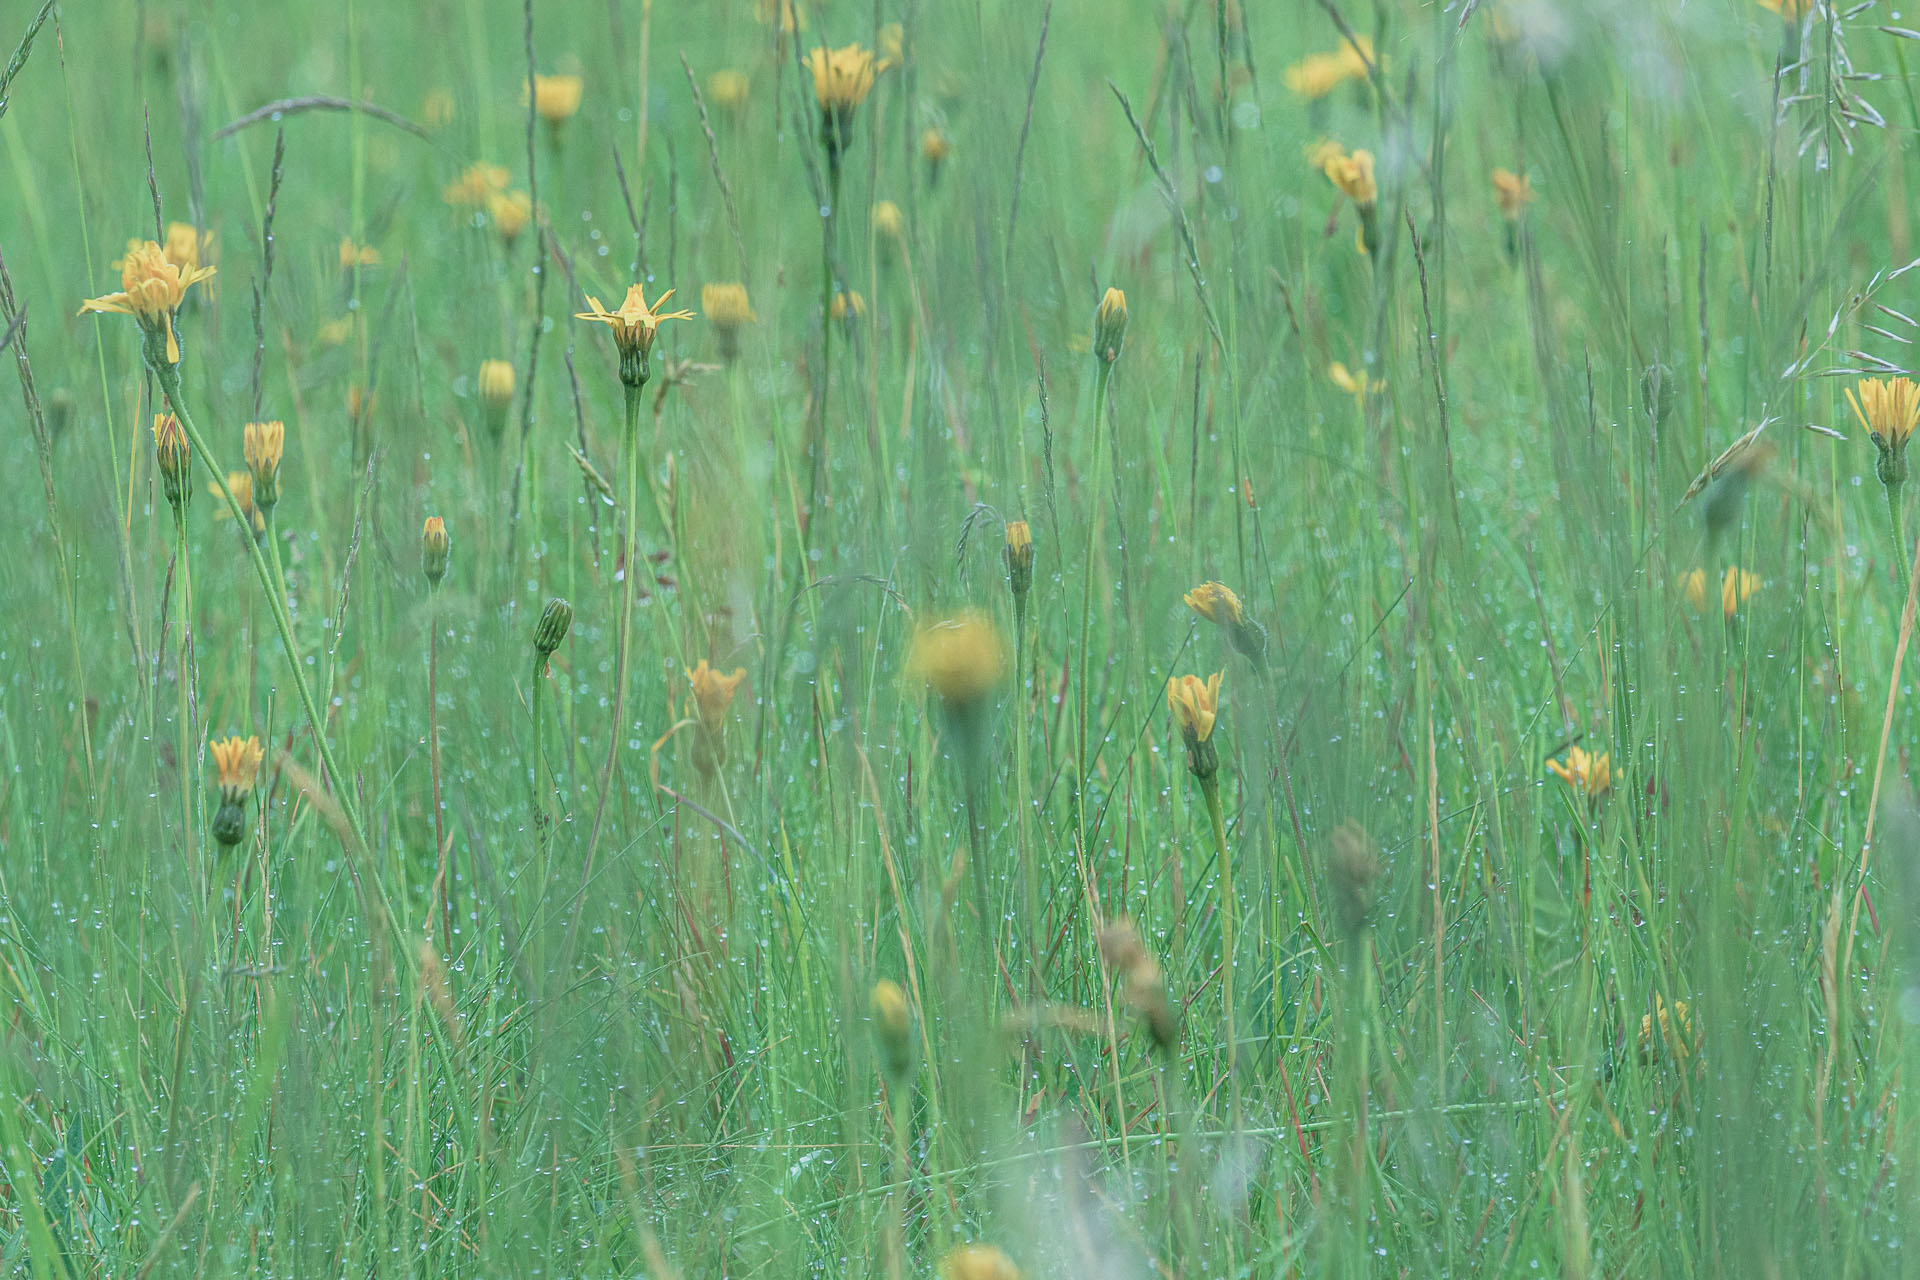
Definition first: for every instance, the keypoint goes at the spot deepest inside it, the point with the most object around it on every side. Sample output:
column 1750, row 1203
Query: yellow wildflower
column 713, row 695
column 1319, row 74
column 152, row 287
column 1110, row 325
column 1195, row 704
column 978, row 1262
column 1513, row 192
column 961, row 658
column 1358, row 385
column 1888, row 410
column 510, row 212
column 1588, row 774
column 1676, row 1031
column 263, row 443
column 635, row 323
column 236, row 763
column 728, row 89
column 475, row 185
column 887, row 219
column 556, row 98
column 357, row 255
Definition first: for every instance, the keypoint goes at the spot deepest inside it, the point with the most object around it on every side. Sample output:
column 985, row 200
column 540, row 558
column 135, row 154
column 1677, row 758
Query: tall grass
column 1423, row 1035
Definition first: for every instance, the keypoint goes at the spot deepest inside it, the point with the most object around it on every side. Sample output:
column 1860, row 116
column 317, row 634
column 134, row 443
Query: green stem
column 169, row 378
column 441, row 853
column 188, row 756
column 630, row 456
column 1229, row 912
column 1086, row 580
column 1896, row 520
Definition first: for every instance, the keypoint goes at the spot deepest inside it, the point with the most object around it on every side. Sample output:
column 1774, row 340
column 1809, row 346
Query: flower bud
column 264, row 444
column 1110, row 326
column 892, row 1029
column 435, row 547
column 552, row 628
column 1019, row 557
column 175, row 460
column 496, row 393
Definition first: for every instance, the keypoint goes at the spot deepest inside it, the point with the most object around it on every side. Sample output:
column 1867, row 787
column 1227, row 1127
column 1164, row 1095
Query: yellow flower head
column 473, row 187
column 728, row 89
column 1513, row 192
column 264, row 442
column 726, row 305
column 511, row 212
column 789, row 14
column 1319, row 74
column 848, row 305
column 1676, row 1031
column 186, row 245
column 713, row 694
column 1735, row 588
column 887, row 219
column 842, row 78
column 961, row 658
column 1353, row 174
column 1588, row 774
column 556, row 98
column 635, row 323
column 242, row 485
column 892, row 1027
column 1195, row 704
column 934, row 146
column 496, row 383
column 236, row 761
column 1789, row 10
column 978, row 1262
column 1888, row 410
column 152, row 287
column 1358, row 385
column 1216, row 602
column 357, row 255
column 1019, row 558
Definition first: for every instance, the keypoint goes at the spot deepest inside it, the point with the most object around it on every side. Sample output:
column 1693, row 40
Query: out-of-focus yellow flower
column 887, row 219
column 1676, row 1031
column 843, row 77
column 978, row 1262
column 1588, row 774
column 335, row 332
column 187, row 246
column 848, row 305
column 557, row 98
column 935, row 147
column 357, row 255
column 496, row 383
column 152, row 287
column 1353, row 174
column 1319, row 74
column 1735, row 588
column 961, row 658
column 728, row 89
column 1358, row 385
column 1789, row 10
column 891, row 41
column 475, row 185
column 510, row 211
column 790, row 16
column 242, row 485
column 713, row 695
column 436, row 109
column 1513, row 192
column 726, row 304
column 892, row 1027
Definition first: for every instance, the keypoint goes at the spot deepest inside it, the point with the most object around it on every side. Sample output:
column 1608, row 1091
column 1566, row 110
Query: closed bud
column 1110, row 326
column 496, row 393
column 892, row 1029
column 435, row 547
column 264, row 443
column 1019, row 557
column 552, row 628
column 175, row 460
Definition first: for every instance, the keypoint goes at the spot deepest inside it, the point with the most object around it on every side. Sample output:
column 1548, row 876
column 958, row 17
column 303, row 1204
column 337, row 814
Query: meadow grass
column 844, row 886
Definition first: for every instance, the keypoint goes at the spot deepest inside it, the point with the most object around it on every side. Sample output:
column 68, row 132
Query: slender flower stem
column 630, row 455
column 1086, row 578
column 1896, row 521
column 441, row 852
column 185, row 751
column 1229, row 912
column 169, row 378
